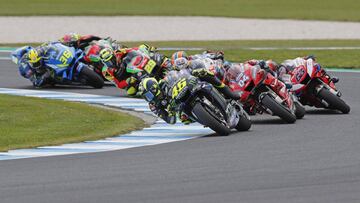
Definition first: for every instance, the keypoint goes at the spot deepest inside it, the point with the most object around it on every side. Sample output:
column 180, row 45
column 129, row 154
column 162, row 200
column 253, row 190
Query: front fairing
column 245, row 80
column 62, row 60
column 135, row 61
column 17, row 54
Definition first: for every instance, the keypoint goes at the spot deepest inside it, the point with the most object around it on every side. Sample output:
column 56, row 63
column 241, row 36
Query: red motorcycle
column 314, row 87
column 261, row 92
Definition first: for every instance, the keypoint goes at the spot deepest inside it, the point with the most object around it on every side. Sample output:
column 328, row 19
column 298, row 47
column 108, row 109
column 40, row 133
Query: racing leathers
column 160, row 103
column 287, row 66
column 210, row 71
column 78, row 41
column 130, row 66
column 268, row 65
column 39, row 75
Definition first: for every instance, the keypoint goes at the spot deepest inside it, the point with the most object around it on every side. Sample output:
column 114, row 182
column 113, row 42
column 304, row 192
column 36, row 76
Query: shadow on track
column 322, row 112
column 269, row 121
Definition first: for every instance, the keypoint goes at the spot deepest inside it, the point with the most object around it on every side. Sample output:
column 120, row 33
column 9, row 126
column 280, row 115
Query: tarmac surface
column 137, row 28
column 317, row 159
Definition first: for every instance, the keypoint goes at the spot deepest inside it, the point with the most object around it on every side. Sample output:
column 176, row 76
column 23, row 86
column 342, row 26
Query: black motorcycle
column 201, row 102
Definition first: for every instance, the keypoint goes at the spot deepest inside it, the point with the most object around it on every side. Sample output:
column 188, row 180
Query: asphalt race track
column 315, row 160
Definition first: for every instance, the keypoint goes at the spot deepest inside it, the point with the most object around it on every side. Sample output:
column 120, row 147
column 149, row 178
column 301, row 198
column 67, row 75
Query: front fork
column 279, row 91
column 288, row 102
column 235, row 111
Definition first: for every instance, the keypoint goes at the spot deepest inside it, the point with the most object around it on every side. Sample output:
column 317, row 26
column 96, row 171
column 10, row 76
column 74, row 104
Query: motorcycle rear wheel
column 91, row 78
column 334, row 101
column 278, row 109
column 205, row 118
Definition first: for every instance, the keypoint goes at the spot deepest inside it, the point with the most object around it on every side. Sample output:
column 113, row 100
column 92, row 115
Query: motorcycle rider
column 115, row 64
column 289, row 65
column 155, row 93
column 236, row 76
column 267, row 65
column 31, row 65
column 206, row 69
column 78, row 41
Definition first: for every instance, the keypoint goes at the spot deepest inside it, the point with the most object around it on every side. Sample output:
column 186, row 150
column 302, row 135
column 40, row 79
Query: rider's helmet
column 150, row 90
column 177, row 55
column 107, row 57
column 272, row 65
column 34, row 58
column 179, row 60
column 289, row 65
column 233, row 72
column 69, row 38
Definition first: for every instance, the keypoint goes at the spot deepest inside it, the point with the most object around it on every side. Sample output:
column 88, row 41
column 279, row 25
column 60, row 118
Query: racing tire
column 93, row 79
column 278, row 109
column 334, row 101
column 299, row 110
column 244, row 124
column 205, row 118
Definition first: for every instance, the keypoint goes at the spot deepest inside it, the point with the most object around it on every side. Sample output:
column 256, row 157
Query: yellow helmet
column 106, row 54
column 33, row 56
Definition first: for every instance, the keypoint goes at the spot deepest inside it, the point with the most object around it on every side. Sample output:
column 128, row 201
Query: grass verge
column 238, row 50
column 342, row 10
column 30, row 122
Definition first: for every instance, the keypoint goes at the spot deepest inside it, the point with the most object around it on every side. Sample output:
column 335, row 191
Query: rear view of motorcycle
column 201, row 102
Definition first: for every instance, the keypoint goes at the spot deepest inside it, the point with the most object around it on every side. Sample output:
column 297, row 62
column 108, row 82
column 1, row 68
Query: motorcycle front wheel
column 278, row 109
column 334, row 101
column 207, row 119
column 244, row 124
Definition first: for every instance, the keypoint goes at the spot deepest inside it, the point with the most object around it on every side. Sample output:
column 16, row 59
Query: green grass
column 244, row 44
column 342, row 10
column 348, row 59
column 31, row 122
column 238, row 50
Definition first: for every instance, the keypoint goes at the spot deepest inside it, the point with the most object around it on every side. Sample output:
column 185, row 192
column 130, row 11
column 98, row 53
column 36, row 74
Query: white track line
column 158, row 133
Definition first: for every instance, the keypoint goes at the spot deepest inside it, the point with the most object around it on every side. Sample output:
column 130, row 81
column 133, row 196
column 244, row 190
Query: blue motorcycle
column 65, row 66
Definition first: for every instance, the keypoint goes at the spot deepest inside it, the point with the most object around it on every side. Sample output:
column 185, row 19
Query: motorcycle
column 65, row 66
column 262, row 92
column 139, row 63
column 199, row 101
column 92, row 55
column 314, row 87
